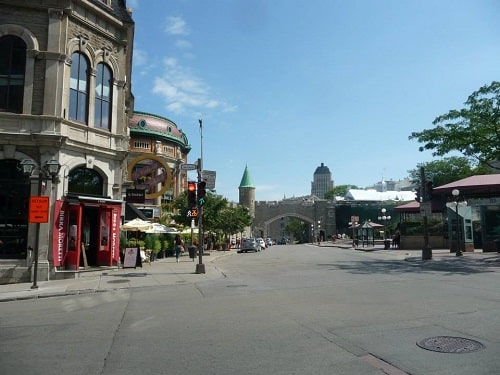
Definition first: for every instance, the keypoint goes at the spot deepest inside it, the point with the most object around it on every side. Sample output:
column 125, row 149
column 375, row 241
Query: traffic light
column 418, row 194
column 191, row 193
column 202, row 193
column 428, row 190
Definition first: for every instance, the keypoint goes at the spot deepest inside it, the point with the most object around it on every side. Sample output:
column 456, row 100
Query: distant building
column 322, row 181
column 392, row 185
column 157, row 149
column 372, row 195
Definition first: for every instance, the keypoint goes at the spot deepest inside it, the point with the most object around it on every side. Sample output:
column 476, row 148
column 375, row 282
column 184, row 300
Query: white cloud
column 182, row 89
column 176, row 26
column 183, row 44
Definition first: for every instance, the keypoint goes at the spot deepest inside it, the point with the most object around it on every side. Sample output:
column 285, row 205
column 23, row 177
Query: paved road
column 287, row 310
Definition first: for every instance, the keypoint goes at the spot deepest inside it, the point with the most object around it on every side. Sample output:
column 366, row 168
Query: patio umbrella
column 160, row 228
column 136, row 225
column 188, row 231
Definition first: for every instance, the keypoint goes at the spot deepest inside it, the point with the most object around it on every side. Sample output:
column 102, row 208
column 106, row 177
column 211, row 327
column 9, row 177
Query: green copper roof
column 246, row 180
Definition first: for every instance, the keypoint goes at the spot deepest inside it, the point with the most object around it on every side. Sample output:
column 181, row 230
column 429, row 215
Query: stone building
column 322, row 181
column 158, row 148
column 65, row 97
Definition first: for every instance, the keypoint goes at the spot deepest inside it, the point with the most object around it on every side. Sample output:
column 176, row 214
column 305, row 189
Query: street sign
column 193, row 213
column 38, row 209
column 209, row 177
column 425, row 209
column 188, row 167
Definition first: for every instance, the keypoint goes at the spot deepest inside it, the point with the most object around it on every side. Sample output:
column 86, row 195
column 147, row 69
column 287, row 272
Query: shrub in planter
column 149, row 241
column 156, row 246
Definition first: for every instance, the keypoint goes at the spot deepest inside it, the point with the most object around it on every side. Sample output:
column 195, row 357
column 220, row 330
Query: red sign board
column 38, row 209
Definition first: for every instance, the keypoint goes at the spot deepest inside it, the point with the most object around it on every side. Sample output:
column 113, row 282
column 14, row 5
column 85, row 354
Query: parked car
column 282, row 241
column 269, row 242
column 249, row 244
column 262, row 243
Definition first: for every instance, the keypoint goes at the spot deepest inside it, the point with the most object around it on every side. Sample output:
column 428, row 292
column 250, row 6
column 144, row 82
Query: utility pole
column 200, row 267
column 425, row 210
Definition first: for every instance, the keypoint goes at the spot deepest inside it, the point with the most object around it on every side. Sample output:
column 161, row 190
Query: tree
column 218, row 215
column 298, row 229
column 446, row 170
column 339, row 191
column 233, row 220
column 474, row 131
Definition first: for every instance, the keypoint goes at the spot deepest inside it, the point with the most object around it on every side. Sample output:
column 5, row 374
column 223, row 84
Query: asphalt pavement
column 169, row 272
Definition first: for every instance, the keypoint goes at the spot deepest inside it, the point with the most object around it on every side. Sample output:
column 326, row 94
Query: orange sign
column 38, row 209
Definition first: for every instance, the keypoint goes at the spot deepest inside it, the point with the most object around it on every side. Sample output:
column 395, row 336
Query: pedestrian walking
column 179, row 244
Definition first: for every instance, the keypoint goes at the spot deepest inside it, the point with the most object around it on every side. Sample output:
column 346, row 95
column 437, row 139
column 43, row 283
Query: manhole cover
column 119, row 281
column 450, row 344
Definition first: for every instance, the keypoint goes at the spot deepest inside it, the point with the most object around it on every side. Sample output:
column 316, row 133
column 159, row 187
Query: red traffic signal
column 191, row 194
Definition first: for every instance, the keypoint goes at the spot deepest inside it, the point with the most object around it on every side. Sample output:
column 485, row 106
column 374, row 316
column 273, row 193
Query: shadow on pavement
column 448, row 266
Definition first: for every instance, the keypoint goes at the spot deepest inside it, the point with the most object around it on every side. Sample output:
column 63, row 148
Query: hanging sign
column 38, row 209
column 150, row 173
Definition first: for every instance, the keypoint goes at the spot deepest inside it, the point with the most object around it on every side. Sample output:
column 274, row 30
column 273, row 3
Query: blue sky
column 285, row 85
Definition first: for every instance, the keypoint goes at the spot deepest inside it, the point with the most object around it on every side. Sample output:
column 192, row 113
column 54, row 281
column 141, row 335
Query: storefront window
column 85, row 181
column 14, row 193
column 492, row 223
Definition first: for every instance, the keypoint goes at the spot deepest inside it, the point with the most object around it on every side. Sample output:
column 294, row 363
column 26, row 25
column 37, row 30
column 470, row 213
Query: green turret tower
column 247, row 194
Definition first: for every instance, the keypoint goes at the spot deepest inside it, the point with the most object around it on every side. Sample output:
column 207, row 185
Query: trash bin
column 192, row 252
column 387, row 244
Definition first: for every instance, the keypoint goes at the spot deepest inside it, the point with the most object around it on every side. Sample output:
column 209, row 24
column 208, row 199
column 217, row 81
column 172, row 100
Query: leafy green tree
column 339, row 191
column 218, row 215
column 233, row 220
column 473, row 131
column 298, row 229
column 447, row 170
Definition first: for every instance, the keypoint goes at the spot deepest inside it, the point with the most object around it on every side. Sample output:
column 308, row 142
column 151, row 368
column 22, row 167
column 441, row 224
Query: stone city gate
column 271, row 218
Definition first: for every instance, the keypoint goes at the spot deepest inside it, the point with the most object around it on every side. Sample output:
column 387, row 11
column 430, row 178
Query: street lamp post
column 384, row 218
column 456, row 197
column 353, row 225
column 319, row 232
column 200, row 267
column 48, row 172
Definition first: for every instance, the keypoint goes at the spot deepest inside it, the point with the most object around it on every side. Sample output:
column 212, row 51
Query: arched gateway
column 271, row 218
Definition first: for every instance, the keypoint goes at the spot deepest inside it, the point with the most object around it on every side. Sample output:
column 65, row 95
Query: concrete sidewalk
column 160, row 272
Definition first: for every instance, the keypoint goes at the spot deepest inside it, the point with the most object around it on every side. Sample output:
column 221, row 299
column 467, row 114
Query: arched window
column 103, row 97
column 85, row 181
column 79, row 88
column 12, row 67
